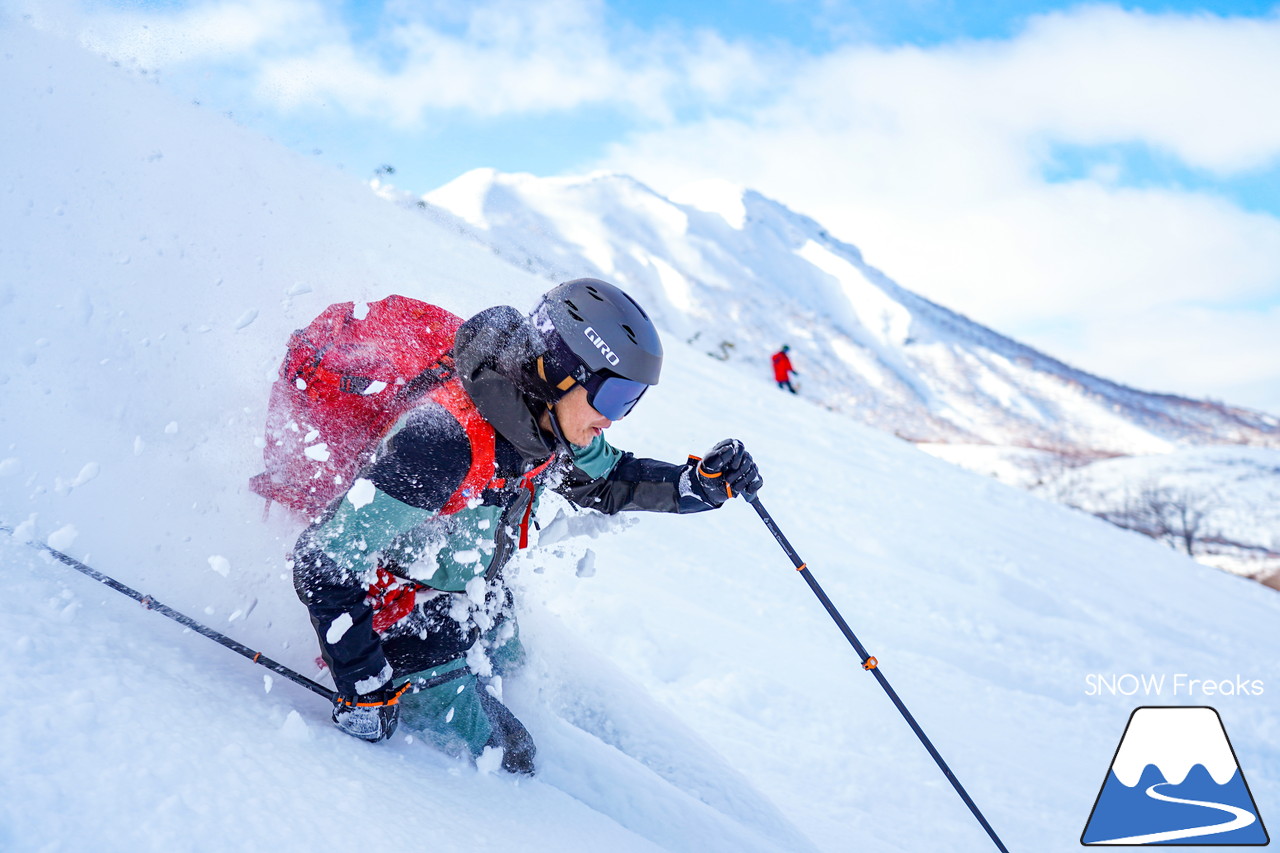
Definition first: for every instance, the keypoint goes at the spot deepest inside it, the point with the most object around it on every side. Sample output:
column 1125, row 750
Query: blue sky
column 817, row 26
column 448, row 143
column 1099, row 180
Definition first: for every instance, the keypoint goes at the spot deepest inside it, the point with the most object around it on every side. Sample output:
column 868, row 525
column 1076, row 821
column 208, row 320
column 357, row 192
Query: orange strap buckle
column 870, row 663
column 392, row 700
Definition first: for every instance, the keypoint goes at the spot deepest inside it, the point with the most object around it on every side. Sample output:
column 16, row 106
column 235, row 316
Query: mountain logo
column 1175, row 780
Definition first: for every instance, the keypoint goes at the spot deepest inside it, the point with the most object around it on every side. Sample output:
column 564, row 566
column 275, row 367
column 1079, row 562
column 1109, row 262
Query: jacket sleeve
column 416, row 471
column 632, row 483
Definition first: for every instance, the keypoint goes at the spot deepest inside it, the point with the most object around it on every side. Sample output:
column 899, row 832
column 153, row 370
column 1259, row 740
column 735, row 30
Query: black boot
column 509, row 735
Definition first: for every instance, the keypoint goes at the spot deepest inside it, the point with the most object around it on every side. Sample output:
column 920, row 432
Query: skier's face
column 580, row 423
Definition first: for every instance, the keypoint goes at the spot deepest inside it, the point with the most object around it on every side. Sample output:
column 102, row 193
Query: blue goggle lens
column 613, row 396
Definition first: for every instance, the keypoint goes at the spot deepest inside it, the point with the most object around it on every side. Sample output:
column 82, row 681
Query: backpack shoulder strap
column 480, row 435
column 454, row 398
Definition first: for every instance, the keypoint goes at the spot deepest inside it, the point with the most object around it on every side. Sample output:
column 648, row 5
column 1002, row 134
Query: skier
column 403, row 575
column 782, row 369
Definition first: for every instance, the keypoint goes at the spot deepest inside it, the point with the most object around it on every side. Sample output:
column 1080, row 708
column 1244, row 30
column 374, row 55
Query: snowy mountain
column 738, row 274
column 688, row 694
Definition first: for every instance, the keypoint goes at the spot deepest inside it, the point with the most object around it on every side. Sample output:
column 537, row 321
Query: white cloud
column 508, row 58
column 1201, row 86
column 491, row 58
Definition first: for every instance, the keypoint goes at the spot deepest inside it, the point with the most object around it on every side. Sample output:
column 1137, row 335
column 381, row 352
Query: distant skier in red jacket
column 782, row 369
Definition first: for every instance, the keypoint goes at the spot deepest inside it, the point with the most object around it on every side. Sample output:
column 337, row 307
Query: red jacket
column 781, row 367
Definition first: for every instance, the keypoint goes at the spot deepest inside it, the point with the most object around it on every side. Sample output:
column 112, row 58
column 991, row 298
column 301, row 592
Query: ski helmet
column 599, row 337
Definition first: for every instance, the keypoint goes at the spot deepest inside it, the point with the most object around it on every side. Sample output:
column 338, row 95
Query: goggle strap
column 565, row 384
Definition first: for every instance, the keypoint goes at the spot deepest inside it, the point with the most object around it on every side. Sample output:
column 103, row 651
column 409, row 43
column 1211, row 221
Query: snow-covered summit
column 739, row 274
column 718, row 196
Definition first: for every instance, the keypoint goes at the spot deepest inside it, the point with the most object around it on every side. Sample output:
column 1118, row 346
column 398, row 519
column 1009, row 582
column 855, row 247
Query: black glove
column 369, row 716
column 727, row 470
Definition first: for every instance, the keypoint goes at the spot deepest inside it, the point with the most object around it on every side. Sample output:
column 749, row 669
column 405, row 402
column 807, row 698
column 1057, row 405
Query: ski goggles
column 613, row 396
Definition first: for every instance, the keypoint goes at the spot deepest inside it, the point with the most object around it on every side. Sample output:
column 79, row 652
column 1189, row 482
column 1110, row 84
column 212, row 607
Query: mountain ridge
column 740, row 273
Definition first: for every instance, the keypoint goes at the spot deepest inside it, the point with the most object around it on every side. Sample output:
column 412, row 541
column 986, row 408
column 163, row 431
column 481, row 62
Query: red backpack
column 345, row 381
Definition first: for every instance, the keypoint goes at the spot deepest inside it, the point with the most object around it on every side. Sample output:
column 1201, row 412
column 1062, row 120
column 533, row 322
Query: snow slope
column 686, row 690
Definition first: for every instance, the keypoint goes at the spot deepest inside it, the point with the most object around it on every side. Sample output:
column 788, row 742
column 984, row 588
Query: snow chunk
column 374, row 387
column 267, row 682
column 89, row 472
column 26, row 531
column 10, row 466
column 295, row 728
column 62, row 538
column 360, row 310
column 478, row 662
column 566, row 526
column 337, row 628
column 587, row 565
column 246, row 318
column 490, row 761
column 220, row 564
column 373, row 682
column 318, row 452
column 171, row 428
column 361, row 493
column 68, row 613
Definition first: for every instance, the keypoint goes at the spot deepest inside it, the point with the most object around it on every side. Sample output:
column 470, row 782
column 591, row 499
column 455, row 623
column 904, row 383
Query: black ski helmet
column 594, row 331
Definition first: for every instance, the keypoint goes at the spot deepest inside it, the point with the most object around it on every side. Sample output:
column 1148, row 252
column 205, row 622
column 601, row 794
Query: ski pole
column 870, row 664
column 186, row 621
